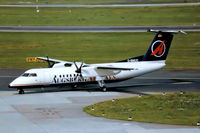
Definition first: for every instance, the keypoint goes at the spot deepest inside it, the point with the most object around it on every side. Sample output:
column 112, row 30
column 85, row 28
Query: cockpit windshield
column 25, row 75
column 29, row 75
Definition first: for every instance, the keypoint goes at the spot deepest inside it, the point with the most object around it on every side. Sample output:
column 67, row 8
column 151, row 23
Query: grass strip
column 93, row 48
column 177, row 108
column 138, row 16
column 93, row 1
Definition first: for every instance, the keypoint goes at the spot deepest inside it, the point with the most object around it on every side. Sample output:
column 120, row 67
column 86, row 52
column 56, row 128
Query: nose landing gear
column 20, row 91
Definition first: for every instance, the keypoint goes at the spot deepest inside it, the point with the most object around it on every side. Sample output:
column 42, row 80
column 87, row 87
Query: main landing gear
column 20, row 91
column 102, row 85
column 104, row 89
column 74, row 85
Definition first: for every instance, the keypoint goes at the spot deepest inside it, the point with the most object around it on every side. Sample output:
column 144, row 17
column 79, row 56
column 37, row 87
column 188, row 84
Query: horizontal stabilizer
column 168, row 31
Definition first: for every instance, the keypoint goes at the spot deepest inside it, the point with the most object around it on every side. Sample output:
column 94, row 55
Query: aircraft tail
column 159, row 48
column 160, row 45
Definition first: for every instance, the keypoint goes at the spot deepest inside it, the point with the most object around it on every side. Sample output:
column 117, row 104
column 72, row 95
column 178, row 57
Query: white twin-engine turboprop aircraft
column 62, row 73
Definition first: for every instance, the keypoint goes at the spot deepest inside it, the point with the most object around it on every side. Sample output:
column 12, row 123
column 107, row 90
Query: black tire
column 20, row 91
column 104, row 89
column 74, row 86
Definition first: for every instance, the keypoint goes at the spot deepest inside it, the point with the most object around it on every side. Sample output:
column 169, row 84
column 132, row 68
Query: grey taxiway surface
column 94, row 28
column 110, row 5
column 61, row 111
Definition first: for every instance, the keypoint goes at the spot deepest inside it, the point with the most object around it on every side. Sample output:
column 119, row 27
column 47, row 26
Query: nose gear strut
column 102, row 85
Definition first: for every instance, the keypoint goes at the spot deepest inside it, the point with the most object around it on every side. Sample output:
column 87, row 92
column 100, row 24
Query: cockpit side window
column 32, row 75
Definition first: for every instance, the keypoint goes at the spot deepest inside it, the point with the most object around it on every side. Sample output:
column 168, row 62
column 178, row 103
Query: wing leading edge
column 54, row 61
column 113, row 68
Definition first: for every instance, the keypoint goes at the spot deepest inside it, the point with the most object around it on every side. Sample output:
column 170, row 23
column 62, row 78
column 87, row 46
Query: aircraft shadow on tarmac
column 123, row 89
column 140, row 87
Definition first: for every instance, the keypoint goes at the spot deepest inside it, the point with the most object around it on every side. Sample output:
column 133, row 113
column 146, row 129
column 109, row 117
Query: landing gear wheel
column 104, row 89
column 20, row 91
column 102, row 85
column 74, row 86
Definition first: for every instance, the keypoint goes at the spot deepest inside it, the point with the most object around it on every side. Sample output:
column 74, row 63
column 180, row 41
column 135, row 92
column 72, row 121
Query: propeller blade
column 76, row 77
column 81, row 76
column 81, row 66
column 76, row 65
column 78, row 69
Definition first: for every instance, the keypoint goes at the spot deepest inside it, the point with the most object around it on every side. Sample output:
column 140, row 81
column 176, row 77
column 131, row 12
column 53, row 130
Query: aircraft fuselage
column 67, row 75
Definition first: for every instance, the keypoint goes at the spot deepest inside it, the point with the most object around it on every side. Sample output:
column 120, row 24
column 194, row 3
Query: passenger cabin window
column 67, row 65
column 85, row 65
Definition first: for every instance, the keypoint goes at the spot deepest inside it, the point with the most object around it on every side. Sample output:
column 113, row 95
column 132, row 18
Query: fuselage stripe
column 31, row 84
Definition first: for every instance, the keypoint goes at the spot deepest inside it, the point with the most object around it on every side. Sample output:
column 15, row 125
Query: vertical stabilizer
column 160, row 45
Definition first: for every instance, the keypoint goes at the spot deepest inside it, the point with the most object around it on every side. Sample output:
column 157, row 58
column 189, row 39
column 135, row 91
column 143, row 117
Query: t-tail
column 159, row 48
column 160, row 45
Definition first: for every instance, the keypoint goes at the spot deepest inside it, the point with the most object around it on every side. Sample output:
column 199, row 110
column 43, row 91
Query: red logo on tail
column 160, row 49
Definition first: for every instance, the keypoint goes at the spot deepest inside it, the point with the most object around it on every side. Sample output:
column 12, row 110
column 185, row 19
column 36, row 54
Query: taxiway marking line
column 180, row 83
column 162, row 78
column 10, row 94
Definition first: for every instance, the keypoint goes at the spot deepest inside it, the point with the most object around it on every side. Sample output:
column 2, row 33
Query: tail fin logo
column 158, row 48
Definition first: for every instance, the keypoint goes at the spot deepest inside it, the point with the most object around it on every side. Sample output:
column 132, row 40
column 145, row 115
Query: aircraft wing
column 53, row 60
column 110, row 70
column 113, row 68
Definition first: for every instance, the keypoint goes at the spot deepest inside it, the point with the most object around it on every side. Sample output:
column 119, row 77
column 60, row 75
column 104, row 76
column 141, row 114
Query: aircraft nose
column 10, row 85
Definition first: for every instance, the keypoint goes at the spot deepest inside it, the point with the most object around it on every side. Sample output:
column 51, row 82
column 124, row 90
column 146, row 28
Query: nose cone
column 11, row 85
column 14, row 83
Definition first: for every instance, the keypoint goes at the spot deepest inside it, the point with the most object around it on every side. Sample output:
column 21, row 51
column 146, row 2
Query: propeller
column 78, row 70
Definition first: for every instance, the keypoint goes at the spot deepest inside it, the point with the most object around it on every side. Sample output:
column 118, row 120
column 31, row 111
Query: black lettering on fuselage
column 62, row 79
column 54, row 79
